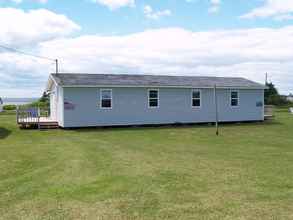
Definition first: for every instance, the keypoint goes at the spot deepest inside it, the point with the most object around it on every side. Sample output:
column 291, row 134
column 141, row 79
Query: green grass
column 148, row 173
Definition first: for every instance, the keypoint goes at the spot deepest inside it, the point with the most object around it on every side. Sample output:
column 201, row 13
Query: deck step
column 48, row 125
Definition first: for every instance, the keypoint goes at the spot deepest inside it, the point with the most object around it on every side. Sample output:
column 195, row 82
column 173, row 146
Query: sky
column 235, row 38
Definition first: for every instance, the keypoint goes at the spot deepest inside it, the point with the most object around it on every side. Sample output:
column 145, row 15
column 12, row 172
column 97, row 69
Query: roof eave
column 162, row 86
column 50, row 83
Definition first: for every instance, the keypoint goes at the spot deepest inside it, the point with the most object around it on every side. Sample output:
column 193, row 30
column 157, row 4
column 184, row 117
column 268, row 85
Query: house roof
column 92, row 80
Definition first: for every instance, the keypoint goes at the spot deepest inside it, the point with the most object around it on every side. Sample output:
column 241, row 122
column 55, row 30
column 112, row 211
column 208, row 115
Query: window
column 234, row 98
column 153, row 98
column 196, row 98
column 106, row 98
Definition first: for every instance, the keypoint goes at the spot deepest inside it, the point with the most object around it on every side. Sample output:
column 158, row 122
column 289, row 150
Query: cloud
column 115, row 4
column 25, row 30
column 244, row 53
column 20, row 1
column 16, row 1
column 155, row 15
column 22, row 76
column 22, row 28
column 215, row 6
column 277, row 9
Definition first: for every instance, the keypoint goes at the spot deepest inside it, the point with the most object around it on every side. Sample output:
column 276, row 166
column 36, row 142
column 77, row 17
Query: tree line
column 272, row 96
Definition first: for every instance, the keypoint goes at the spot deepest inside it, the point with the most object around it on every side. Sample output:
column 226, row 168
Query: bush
column 39, row 104
column 277, row 100
column 43, row 102
column 9, row 107
column 272, row 96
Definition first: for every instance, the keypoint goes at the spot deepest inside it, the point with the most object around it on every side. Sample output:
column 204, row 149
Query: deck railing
column 269, row 111
column 30, row 115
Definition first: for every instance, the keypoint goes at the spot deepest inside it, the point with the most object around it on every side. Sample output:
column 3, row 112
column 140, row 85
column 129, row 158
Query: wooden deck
column 35, row 118
column 269, row 112
column 40, row 123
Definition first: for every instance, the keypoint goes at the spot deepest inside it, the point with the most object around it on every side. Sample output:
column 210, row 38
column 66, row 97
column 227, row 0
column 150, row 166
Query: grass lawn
column 148, row 173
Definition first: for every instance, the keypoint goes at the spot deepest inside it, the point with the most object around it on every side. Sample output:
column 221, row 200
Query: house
column 84, row 100
column 1, row 105
column 290, row 98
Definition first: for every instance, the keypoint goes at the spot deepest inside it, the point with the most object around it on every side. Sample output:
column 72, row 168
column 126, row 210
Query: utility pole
column 216, row 110
column 57, row 66
column 266, row 78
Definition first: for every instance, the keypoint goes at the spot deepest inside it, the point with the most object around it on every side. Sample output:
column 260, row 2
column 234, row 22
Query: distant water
column 18, row 101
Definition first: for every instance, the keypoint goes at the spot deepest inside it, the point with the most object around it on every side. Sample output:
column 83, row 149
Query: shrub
column 9, row 107
column 272, row 96
column 43, row 105
column 43, row 102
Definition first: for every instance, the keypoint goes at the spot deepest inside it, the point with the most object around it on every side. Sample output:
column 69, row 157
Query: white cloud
column 151, row 14
column 115, row 4
column 16, row 1
column 21, row 28
column 215, row 6
column 246, row 53
column 20, row 1
column 283, row 17
column 277, row 9
column 22, row 76
column 24, row 30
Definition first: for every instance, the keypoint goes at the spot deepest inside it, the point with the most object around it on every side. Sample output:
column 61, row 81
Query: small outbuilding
column 85, row 100
column 290, row 98
column 1, row 105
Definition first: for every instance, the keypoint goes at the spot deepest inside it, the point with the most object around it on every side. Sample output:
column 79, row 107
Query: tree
column 44, row 98
column 43, row 102
column 270, row 92
column 272, row 96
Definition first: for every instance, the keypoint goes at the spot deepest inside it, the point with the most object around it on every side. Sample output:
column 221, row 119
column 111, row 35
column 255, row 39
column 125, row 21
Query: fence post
column 17, row 114
column 216, row 110
column 38, row 116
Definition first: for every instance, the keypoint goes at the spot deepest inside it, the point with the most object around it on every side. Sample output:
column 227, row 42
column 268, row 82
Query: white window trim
column 153, row 107
column 200, row 98
column 230, row 100
column 101, row 91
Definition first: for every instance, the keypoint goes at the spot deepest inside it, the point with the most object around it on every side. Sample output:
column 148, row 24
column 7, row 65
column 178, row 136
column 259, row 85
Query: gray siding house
column 85, row 100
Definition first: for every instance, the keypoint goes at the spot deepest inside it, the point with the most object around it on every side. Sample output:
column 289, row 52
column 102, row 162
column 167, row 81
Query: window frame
column 200, row 99
column 101, row 99
column 149, row 98
column 238, row 98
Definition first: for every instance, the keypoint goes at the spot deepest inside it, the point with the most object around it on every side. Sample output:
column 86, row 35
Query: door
column 53, row 106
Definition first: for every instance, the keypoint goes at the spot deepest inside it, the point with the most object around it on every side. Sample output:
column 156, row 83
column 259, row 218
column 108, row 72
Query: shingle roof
column 84, row 80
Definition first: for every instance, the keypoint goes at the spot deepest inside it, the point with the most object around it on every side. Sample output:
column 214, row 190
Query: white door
column 53, row 106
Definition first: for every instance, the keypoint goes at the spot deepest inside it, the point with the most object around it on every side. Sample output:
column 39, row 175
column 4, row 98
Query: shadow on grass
column 4, row 133
column 260, row 123
column 173, row 126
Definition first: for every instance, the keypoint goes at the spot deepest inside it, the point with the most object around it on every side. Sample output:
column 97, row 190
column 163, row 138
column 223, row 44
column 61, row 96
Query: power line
column 30, row 54
column 25, row 53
